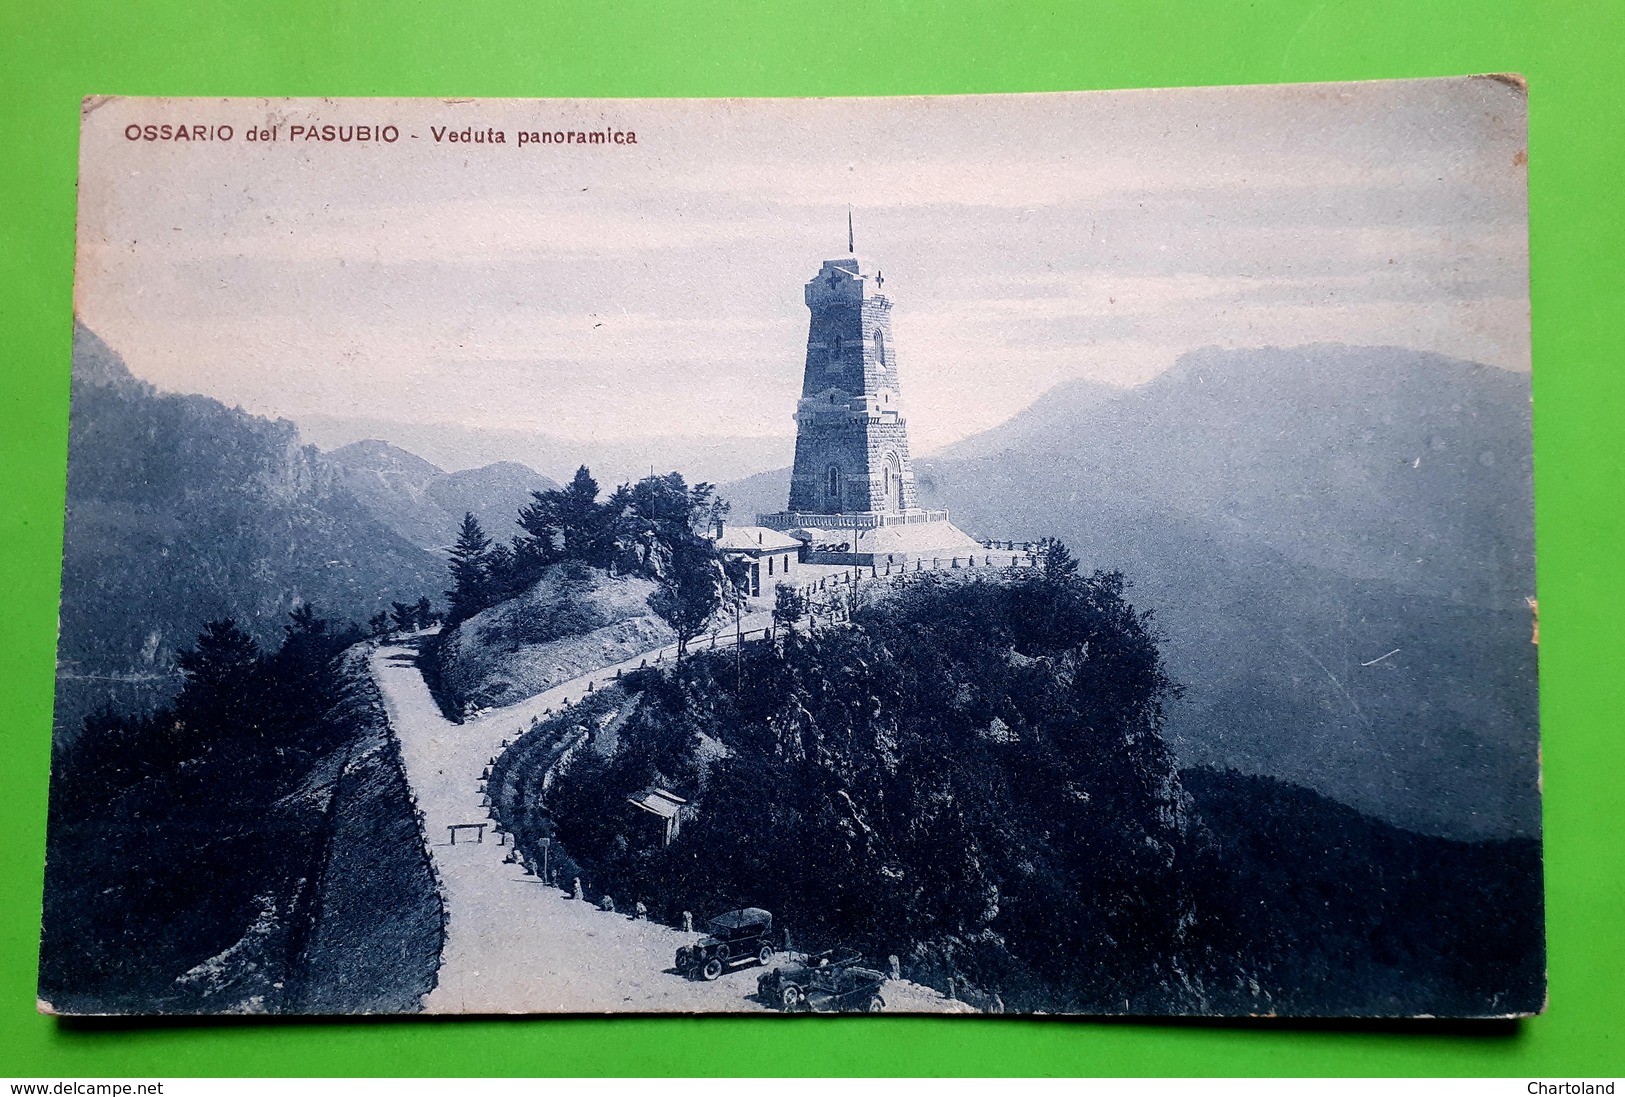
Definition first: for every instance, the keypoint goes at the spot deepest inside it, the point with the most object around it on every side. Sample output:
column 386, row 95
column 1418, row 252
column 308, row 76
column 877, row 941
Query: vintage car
column 735, row 938
column 827, row 982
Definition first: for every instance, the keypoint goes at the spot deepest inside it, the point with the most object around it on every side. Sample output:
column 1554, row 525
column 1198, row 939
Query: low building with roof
column 768, row 555
column 665, row 807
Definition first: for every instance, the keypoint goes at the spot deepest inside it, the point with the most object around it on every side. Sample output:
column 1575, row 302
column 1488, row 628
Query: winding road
column 514, row 944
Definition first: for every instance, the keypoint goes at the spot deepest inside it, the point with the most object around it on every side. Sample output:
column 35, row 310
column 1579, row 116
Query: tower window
column 832, row 483
column 880, row 348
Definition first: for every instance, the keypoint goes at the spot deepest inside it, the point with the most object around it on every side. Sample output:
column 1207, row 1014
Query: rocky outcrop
column 573, row 620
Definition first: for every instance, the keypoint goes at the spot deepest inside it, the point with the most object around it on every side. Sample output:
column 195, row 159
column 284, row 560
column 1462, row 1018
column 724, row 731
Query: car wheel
column 877, row 1004
column 790, row 997
column 712, row 969
column 765, row 955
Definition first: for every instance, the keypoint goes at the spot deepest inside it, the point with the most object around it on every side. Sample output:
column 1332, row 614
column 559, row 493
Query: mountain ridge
column 612, row 460
column 1058, row 404
column 424, row 503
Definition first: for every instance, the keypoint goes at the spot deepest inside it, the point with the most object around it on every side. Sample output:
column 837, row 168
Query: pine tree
column 220, row 678
column 543, row 531
column 1055, row 560
column 299, row 683
column 502, row 575
column 470, row 571
column 706, row 508
column 580, row 516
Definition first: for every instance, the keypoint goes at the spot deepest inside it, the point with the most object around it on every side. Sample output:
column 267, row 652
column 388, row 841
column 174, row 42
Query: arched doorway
column 892, row 482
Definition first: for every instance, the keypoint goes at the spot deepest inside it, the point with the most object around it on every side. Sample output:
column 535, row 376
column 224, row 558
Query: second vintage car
column 827, row 982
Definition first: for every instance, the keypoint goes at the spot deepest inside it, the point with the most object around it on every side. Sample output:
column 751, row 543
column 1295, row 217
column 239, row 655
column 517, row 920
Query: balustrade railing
column 793, row 519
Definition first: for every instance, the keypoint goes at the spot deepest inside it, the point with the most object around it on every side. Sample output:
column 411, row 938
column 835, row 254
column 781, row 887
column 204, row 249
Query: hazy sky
column 655, row 288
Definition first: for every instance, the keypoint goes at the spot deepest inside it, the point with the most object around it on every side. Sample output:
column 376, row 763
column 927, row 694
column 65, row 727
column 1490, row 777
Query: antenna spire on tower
column 851, row 246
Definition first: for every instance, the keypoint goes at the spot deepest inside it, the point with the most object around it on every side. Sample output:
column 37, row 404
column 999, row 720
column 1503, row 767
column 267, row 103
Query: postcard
column 1059, row 553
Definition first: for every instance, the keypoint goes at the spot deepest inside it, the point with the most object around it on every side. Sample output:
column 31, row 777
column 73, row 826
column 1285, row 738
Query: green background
column 51, row 54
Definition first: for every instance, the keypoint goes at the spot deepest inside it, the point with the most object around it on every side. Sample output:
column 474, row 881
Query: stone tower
column 852, row 497
column 851, row 438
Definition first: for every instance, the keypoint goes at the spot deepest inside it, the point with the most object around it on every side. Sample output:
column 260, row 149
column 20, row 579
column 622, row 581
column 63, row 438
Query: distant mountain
column 1337, row 542
column 181, row 510
column 424, row 503
column 1373, row 462
column 760, row 494
column 613, row 460
column 1049, row 415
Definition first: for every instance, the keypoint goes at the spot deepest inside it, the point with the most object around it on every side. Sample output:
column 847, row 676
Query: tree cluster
column 406, row 617
column 971, row 773
column 167, row 832
column 654, row 528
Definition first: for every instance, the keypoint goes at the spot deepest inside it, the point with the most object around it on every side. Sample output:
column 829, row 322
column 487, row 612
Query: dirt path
column 515, row 945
